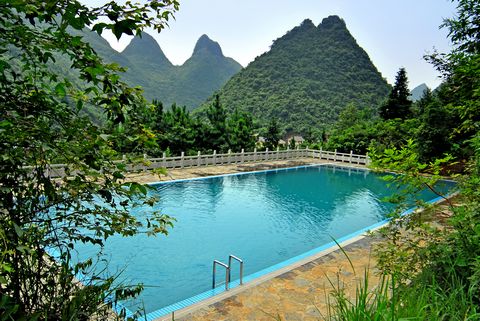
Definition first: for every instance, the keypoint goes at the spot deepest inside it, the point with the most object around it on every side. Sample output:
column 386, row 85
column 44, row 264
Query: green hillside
column 189, row 84
column 147, row 66
column 205, row 70
column 308, row 76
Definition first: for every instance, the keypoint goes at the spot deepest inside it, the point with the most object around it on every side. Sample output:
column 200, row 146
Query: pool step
column 227, row 270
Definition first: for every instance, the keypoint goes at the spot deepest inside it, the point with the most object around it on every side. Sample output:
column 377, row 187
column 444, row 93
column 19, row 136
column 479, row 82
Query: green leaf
column 18, row 230
column 123, row 27
column 60, row 90
column 99, row 27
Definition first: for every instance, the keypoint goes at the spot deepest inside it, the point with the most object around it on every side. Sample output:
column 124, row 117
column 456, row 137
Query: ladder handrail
column 227, row 273
column 230, row 265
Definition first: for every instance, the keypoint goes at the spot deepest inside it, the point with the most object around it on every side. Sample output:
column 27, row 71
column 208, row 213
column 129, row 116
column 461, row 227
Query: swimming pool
column 264, row 218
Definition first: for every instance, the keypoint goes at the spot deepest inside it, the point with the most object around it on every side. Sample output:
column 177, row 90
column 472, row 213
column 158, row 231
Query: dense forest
column 306, row 78
column 175, row 130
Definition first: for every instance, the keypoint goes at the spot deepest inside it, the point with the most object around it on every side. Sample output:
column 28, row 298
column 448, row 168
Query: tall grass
column 423, row 299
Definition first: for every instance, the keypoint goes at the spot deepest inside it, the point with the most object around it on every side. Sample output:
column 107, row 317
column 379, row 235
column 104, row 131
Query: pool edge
column 209, row 297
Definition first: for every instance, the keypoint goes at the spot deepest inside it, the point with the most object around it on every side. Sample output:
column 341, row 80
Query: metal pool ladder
column 227, row 270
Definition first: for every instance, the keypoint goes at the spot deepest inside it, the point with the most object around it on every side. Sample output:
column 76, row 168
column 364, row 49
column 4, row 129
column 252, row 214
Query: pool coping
column 217, row 294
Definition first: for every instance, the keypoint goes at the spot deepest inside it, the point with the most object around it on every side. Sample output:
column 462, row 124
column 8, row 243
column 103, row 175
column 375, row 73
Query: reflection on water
column 264, row 218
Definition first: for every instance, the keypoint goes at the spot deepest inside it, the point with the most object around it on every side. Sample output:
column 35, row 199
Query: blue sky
column 394, row 33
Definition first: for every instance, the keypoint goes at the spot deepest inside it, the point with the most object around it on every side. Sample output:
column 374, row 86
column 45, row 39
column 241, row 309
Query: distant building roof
column 261, row 139
column 298, row 139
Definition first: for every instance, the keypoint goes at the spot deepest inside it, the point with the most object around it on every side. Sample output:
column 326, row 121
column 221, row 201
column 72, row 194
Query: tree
column 442, row 259
column 240, row 131
column 291, row 143
column 217, row 129
column 348, row 117
column 136, row 135
column 177, row 132
column 460, row 70
column 272, row 135
column 433, row 138
column 398, row 104
column 42, row 122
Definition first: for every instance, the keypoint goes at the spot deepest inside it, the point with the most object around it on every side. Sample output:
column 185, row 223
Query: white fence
column 58, row 170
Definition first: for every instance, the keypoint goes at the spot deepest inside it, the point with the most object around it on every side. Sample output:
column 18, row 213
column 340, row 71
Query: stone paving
column 300, row 294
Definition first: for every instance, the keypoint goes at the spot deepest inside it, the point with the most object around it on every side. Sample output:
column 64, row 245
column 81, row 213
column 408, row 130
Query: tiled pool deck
column 294, row 293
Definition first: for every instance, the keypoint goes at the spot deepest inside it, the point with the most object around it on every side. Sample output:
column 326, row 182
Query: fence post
column 198, row 158
column 181, row 159
column 214, row 157
column 351, row 156
column 144, row 162
column 278, row 152
column 255, row 154
column 266, row 153
column 229, row 157
column 335, row 155
column 321, row 150
column 124, row 160
column 164, row 161
column 243, row 156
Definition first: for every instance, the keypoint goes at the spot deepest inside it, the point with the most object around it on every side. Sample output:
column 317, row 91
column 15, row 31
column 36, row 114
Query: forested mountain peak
column 332, row 22
column 146, row 48
column 307, row 77
column 306, row 24
column 206, row 45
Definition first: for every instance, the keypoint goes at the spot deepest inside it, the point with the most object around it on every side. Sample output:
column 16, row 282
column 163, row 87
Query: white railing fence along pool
column 182, row 161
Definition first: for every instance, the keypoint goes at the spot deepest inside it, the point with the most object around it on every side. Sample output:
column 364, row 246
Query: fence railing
column 182, row 161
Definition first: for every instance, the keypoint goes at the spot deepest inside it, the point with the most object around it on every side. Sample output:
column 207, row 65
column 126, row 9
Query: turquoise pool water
column 264, row 218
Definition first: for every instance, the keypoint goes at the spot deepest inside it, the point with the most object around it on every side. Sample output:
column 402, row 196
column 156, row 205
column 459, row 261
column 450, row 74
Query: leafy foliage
column 43, row 218
column 438, row 263
column 306, row 78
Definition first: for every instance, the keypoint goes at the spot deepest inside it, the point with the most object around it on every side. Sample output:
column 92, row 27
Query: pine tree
column 217, row 129
column 240, row 131
column 398, row 104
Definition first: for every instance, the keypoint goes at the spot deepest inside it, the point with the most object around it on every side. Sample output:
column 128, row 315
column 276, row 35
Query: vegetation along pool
column 264, row 218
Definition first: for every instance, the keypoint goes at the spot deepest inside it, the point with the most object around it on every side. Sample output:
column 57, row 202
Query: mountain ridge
column 189, row 84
